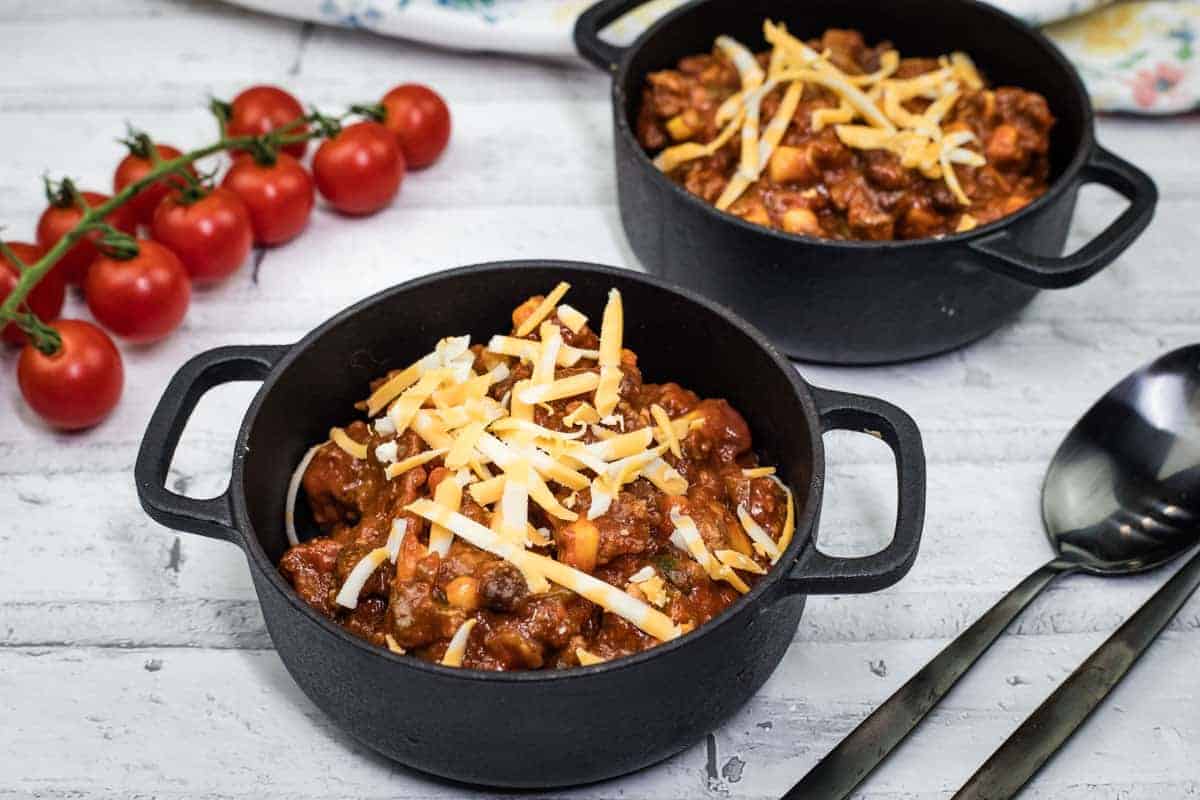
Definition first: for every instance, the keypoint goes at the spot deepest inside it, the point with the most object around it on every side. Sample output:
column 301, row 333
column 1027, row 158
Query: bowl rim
column 763, row 591
column 1065, row 182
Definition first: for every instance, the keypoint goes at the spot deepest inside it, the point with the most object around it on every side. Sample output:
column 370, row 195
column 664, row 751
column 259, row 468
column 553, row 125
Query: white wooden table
column 134, row 661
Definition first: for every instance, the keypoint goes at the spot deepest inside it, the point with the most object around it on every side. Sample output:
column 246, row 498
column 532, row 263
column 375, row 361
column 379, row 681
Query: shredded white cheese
column 396, row 538
column 612, row 332
column 387, row 452
column 763, row 543
column 458, row 644
column 293, row 493
column 347, row 596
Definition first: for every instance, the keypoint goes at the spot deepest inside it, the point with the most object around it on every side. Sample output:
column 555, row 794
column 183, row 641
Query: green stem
column 43, row 336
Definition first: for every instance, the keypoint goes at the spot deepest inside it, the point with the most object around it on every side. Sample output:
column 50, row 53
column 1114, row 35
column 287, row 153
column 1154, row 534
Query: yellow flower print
column 1111, row 31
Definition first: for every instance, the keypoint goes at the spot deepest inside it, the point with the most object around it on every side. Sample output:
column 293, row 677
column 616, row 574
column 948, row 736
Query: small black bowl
column 541, row 728
column 847, row 302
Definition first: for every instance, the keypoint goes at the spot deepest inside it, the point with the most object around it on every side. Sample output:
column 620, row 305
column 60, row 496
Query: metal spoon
column 1122, row 495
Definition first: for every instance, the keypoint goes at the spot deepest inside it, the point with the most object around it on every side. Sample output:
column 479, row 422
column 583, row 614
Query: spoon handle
column 871, row 742
column 1047, row 728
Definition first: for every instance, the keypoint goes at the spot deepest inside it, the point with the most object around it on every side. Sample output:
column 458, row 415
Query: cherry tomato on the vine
column 61, row 216
column 420, row 120
column 279, row 196
column 262, row 109
column 46, row 299
column 77, row 386
column 133, row 168
column 360, row 169
column 212, row 235
column 142, row 298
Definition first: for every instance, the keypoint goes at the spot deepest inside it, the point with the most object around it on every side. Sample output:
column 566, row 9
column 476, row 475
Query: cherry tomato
column 420, row 120
column 79, row 385
column 142, row 298
column 262, row 109
column 46, row 299
column 212, row 236
column 278, row 196
column 359, row 171
column 133, row 168
column 61, row 216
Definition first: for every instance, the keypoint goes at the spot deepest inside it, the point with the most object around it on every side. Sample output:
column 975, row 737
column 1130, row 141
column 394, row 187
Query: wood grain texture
column 134, row 661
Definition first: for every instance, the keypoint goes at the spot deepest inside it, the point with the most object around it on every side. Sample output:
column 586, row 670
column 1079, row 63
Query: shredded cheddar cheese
column 530, row 323
column 758, row 472
column 789, row 522
column 665, row 432
column 687, row 538
column 401, row 467
column 404, row 408
column 561, row 388
column 587, row 659
column 763, row 543
column 448, row 495
column 347, row 596
column 612, row 332
column 348, row 445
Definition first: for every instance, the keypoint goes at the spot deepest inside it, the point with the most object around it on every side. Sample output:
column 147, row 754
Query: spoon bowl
column 1122, row 494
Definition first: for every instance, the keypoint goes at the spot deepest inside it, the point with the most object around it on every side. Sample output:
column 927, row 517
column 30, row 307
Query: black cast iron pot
column 543, row 728
column 866, row 302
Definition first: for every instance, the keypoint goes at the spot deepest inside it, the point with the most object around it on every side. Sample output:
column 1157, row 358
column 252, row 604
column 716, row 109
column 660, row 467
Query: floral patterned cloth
column 1137, row 57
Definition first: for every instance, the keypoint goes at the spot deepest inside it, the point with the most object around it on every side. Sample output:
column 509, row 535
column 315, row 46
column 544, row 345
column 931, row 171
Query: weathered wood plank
column 230, row 724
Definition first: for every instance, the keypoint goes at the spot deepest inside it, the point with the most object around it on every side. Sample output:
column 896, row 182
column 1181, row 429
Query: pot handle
column 587, row 32
column 213, row 516
column 1056, row 272
column 817, row 573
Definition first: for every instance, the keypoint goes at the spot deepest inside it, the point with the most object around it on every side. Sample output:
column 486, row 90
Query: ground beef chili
column 816, row 185
column 419, row 600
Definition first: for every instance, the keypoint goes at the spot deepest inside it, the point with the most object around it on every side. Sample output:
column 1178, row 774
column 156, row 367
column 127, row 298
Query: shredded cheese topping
column 347, row 596
column 396, row 538
column 401, row 467
column 789, row 521
column 345, row 443
column 666, row 431
column 449, row 406
column 763, row 543
column 688, row 539
column 758, row 472
column 448, row 495
column 458, row 645
column 587, row 659
column 293, row 492
column 573, row 318
column 612, row 331
column 876, row 98
column 530, row 323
